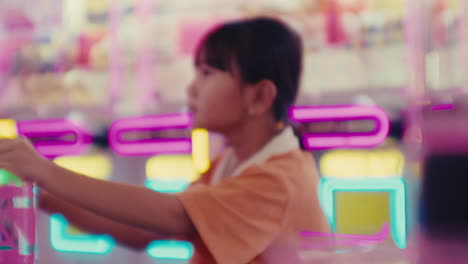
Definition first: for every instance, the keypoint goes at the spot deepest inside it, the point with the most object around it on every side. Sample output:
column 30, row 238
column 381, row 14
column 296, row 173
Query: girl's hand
column 18, row 156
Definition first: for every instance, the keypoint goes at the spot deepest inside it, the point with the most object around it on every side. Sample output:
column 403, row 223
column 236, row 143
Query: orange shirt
column 256, row 216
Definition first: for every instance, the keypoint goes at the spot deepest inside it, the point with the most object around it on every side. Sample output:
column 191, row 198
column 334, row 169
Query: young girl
column 259, row 194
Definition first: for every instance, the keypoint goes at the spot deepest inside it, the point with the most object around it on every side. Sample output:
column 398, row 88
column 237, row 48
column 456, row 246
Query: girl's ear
column 260, row 97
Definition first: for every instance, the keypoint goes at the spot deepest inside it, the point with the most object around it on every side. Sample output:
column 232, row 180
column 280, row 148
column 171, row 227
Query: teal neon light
column 62, row 241
column 396, row 187
column 169, row 249
column 167, row 186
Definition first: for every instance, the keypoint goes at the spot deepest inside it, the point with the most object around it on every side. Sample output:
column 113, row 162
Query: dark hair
column 259, row 48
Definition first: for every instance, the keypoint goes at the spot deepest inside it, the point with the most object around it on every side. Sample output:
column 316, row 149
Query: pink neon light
column 342, row 113
column 415, row 53
column 150, row 146
column 343, row 239
column 442, row 107
column 461, row 34
column 334, row 24
column 146, row 60
column 115, row 59
column 56, row 128
column 191, row 32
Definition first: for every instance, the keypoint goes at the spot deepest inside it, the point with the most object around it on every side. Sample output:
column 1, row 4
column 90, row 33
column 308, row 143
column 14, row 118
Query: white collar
column 282, row 143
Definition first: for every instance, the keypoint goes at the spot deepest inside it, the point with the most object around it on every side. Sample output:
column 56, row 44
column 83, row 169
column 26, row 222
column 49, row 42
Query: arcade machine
column 99, row 95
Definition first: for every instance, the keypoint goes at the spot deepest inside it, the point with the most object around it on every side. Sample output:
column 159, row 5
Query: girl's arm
column 137, row 206
column 129, row 236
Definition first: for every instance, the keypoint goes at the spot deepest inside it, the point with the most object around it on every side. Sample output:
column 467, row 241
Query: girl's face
column 216, row 99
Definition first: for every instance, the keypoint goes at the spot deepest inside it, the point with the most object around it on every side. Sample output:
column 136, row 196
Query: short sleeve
column 238, row 218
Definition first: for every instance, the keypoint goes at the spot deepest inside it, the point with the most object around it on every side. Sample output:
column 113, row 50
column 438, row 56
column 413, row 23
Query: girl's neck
column 251, row 137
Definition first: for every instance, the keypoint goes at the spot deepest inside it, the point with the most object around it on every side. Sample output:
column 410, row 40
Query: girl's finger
column 7, row 145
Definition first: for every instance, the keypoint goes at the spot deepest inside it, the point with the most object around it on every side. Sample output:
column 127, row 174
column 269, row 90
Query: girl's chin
column 197, row 125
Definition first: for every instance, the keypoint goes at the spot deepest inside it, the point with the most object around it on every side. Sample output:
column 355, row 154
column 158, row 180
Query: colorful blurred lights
column 150, row 146
column 442, row 107
column 86, row 243
column 170, row 174
column 95, row 166
column 56, row 128
column 346, row 163
column 170, row 166
column 395, row 186
column 167, row 185
column 191, row 31
column 169, row 249
column 8, row 128
column 64, row 237
column 201, row 150
column 342, row 113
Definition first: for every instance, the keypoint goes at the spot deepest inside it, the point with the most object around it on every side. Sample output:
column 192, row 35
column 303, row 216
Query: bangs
column 217, row 49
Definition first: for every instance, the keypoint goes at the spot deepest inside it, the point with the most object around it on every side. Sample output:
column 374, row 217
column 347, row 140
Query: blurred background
column 94, row 62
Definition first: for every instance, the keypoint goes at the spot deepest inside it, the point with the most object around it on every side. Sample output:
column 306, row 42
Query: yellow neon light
column 8, row 128
column 361, row 213
column 362, row 163
column 97, row 165
column 170, row 167
column 201, row 150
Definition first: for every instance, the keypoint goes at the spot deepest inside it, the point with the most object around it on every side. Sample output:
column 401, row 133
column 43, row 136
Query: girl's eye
column 206, row 72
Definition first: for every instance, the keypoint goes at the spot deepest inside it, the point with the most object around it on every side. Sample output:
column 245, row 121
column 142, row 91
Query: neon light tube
column 309, row 114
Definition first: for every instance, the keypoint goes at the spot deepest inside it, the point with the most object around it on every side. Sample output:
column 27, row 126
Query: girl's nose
column 192, row 89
